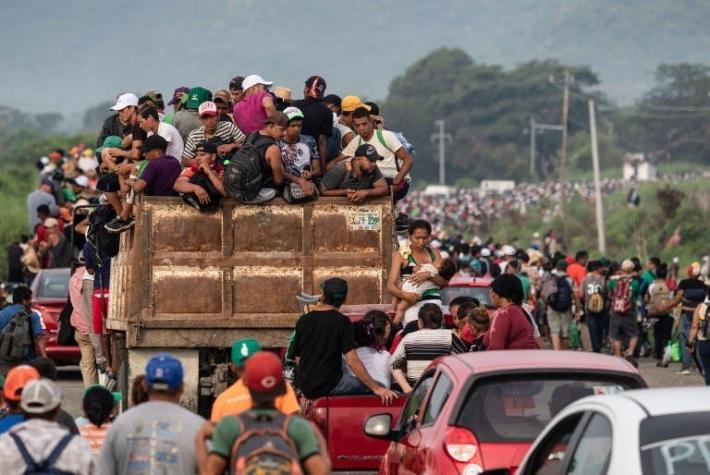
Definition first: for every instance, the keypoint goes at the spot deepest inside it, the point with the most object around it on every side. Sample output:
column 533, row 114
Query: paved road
column 70, row 381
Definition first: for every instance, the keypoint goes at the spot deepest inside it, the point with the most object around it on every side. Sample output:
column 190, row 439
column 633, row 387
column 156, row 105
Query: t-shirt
column 298, row 430
column 648, row 277
column 297, row 157
column 6, row 315
column 249, row 113
column 388, row 166
column 416, row 350
column 525, row 282
column 94, row 436
column 377, row 363
column 236, row 399
column 577, row 272
column 510, row 330
column 226, row 131
column 340, row 178
column 344, row 129
column 153, row 437
column 322, row 338
column 160, row 175
column 317, row 118
column 175, row 143
column 611, row 285
column 186, row 121
column 694, row 292
column 593, row 284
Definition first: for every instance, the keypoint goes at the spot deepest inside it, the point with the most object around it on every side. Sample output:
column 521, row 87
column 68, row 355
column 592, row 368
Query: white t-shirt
column 175, row 143
column 86, row 164
column 344, row 129
column 388, row 166
column 377, row 364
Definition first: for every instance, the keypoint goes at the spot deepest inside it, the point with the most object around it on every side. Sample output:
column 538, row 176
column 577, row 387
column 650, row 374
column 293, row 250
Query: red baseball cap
column 207, row 108
column 263, row 376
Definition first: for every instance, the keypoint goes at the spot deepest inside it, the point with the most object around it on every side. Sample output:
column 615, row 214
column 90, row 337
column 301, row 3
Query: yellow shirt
column 236, row 399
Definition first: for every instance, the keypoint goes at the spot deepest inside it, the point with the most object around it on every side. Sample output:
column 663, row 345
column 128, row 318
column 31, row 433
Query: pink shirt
column 249, row 113
column 77, row 320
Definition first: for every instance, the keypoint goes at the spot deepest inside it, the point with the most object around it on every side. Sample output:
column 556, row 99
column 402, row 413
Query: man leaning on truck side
column 323, row 336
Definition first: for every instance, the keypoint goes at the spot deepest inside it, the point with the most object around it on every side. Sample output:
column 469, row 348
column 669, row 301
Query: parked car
column 481, row 411
column 475, row 287
column 50, row 290
column 650, row 431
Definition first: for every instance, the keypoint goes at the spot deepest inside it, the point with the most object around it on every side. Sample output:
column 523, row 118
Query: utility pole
column 565, row 120
column 532, row 148
column 442, row 138
column 597, row 186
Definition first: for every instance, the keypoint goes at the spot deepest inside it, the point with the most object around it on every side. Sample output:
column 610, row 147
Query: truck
column 190, row 283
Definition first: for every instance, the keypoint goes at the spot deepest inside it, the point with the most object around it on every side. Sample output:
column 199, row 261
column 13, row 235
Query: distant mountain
column 66, row 56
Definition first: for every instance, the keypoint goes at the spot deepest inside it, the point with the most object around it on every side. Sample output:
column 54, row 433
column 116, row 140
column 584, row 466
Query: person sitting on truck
column 299, row 156
column 358, row 180
column 322, row 337
column 207, row 164
column 229, row 134
column 416, row 350
column 236, row 399
column 156, row 436
column 159, row 175
column 238, row 440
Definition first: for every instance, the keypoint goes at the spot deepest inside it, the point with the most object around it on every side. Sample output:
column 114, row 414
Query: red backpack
column 621, row 297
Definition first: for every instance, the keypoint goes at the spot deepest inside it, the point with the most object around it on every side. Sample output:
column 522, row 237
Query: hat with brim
column 263, row 376
column 40, row 396
column 350, row 103
column 127, row 99
column 253, row 80
column 369, row 152
column 112, row 141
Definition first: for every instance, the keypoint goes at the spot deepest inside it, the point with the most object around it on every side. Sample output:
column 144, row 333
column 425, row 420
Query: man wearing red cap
column 298, row 443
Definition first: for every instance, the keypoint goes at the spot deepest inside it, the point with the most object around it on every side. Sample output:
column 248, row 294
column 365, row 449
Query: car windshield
column 506, row 409
column 675, row 443
column 479, row 293
column 53, row 285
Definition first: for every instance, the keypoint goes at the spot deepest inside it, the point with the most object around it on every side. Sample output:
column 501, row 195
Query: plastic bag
column 574, row 338
column 675, row 351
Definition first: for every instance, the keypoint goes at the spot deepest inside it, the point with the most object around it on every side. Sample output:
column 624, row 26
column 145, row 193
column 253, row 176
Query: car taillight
column 460, row 444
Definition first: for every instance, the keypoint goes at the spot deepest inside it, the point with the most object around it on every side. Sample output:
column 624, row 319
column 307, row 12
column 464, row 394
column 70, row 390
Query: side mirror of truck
column 380, row 427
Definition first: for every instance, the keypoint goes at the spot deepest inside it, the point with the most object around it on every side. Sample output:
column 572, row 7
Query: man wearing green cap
column 299, row 156
column 236, row 399
column 187, row 120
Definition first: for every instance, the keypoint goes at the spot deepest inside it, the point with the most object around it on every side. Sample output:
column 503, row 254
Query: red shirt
column 577, row 273
column 510, row 330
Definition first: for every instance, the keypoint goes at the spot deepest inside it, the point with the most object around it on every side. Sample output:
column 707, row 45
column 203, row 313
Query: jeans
column 686, row 319
column 349, row 384
column 703, row 349
column 595, row 322
column 662, row 335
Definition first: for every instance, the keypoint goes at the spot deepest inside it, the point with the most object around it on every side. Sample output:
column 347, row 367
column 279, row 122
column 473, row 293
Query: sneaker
column 684, row 372
column 119, row 225
column 661, row 364
column 265, row 194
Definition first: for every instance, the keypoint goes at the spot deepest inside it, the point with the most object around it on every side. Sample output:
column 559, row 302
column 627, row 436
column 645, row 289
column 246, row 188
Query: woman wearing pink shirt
column 78, row 320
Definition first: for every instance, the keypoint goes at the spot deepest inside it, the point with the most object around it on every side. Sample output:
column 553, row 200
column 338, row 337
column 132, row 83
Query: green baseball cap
column 2, row 382
column 242, row 349
column 197, row 96
column 112, row 141
column 117, row 397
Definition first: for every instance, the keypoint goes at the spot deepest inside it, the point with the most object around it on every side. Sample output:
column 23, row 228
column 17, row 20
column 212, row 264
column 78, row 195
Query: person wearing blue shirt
column 22, row 300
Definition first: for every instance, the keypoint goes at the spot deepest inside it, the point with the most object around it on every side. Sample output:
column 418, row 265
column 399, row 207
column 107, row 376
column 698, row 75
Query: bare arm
column 407, row 163
column 269, row 105
column 215, row 180
column 316, row 169
column 335, row 161
column 137, row 185
column 677, row 298
column 316, row 465
column 322, row 150
column 361, row 373
column 695, row 325
column 273, row 157
column 41, row 345
column 401, row 379
column 332, row 193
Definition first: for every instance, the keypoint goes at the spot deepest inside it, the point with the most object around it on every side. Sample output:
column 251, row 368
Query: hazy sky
column 68, row 55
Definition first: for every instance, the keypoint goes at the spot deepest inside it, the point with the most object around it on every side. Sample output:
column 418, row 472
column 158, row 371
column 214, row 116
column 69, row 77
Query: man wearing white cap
column 251, row 112
column 120, row 123
column 39, row 441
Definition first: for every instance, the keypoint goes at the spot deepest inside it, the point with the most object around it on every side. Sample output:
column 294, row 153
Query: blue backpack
column 561, row 299
column 45, row 467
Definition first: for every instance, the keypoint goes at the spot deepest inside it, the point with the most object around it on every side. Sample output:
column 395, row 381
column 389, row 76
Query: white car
column 646, row 431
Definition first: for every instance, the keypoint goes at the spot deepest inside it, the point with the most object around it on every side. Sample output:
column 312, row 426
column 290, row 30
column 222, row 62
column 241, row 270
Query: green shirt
column 299, row 430
column 648, row 277
column 526, row 286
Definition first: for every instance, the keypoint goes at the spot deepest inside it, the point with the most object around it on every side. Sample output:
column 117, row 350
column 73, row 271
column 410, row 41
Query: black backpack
column 561, row 299
column 244, row 174
column 105, row 242
column 46, row 467
column 202, row 180
column 17, row 338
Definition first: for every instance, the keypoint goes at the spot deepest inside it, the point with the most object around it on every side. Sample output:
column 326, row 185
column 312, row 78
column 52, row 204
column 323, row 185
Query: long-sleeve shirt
column 102, row 273
column 78, row 316
column 510, row 330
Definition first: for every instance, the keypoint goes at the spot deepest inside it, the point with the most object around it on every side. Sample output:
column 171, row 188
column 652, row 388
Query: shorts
column 108, row 182
column 622, row 325
column 99, row 310
column 559, row 322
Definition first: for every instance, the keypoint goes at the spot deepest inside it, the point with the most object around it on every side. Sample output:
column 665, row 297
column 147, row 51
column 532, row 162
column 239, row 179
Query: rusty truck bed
column 183, row 279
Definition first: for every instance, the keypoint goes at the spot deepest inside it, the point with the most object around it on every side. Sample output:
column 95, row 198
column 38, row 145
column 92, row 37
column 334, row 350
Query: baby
column 446, row 270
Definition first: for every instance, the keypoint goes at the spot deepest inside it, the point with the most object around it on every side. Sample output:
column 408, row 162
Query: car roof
column 470, row 282
column 495, row 361
column 664, row 401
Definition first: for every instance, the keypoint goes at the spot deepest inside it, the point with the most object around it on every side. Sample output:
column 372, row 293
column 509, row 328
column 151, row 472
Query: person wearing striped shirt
column 416, row 350
column 228, row 133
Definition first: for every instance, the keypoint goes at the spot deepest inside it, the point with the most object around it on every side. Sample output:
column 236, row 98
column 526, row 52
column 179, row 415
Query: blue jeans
column 595, row 322
column 703, row 349
column 349, row 384
column 686, row 319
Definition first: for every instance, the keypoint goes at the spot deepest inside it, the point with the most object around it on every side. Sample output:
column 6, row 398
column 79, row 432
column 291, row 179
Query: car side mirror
column 380, row 427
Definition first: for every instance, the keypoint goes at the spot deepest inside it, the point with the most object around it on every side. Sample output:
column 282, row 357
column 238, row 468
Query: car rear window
column 517, row 408
column 479, row 293
column 675, row 444
column 54, row 285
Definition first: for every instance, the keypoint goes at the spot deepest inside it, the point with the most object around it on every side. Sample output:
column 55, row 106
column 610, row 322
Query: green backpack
column 16, row 339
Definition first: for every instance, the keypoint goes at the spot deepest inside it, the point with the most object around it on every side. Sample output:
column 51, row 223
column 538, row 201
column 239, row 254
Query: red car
column 481, row 411
column 50, row 290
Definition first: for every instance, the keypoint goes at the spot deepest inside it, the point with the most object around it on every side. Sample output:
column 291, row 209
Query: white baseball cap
column 125, row 100
column 40, row 396
column 82, row 180
column 508, row 250
column 253, row 80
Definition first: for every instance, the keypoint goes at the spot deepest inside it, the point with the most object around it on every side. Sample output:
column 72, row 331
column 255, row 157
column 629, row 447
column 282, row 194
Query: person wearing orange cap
column 15, row 382
column 689, row 294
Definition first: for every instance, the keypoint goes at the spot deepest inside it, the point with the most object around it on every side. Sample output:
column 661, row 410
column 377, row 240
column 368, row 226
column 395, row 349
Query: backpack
column 621, row 297
column 244, row 174
column 202, row 180
column 659, row 296
column 17, row 338
column 46, row 467
column 595, row 300
column 264, row 446
column 105, row 242
column 561, row 299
